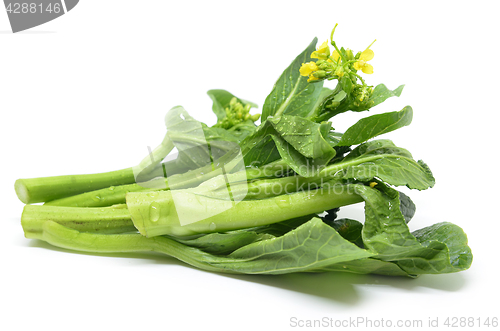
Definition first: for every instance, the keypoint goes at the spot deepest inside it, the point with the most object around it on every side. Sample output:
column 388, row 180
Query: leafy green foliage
column 301, row 143
column 292, row 94
column 349, row 229
column 220, row 217
column 310, row 246
column 376, row 125
column 384, row 160
column 441, row 248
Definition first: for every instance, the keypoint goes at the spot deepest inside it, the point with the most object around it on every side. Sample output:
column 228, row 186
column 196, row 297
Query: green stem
column 156, row 156
column 262, row 188
column 64, row 237
column 33, row 190
column 182, row 213
column 99, row 198
column 116, row 194
column 44, row 189
column 101, row 220
column 360, row 78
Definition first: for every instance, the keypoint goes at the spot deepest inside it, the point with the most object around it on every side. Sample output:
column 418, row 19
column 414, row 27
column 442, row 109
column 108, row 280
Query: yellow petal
column 307, row 68
column 312, row 78
column 324, row 45
column 367, row 69
column 367, row 55
column 322, row 53
column 358, row 65
column 335, row 55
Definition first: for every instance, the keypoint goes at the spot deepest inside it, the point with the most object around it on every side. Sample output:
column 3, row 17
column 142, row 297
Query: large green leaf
column 311, row 246
column 349, row 229
column 292, row 94
column 382, row 159
column 367, row 266
column 304, row 145
column 441, row 248
column 406, row 206
column 376, row 125
column 459, row 253
column 307, row 137
column 302, row 165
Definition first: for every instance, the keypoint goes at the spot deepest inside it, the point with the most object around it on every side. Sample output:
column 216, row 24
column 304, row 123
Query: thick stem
column 262, row 188
column 181, row 213
column 44, row 189
column 101, row 220
column 64, row 237
column 99, row 198
column 115, row 195
column 33, row 190
column 155, row 157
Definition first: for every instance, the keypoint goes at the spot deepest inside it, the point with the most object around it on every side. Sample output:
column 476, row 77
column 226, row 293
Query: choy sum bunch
column 241, row 197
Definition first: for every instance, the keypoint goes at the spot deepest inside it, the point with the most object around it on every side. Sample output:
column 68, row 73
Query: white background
column 88, row 91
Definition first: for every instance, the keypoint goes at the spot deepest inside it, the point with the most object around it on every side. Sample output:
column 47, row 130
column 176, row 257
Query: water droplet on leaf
column 154, row 212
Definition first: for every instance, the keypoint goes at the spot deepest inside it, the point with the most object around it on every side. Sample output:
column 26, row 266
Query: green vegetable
column 263, row 199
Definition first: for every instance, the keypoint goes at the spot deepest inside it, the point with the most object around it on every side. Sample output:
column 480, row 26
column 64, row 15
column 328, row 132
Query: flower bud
column 320, row 74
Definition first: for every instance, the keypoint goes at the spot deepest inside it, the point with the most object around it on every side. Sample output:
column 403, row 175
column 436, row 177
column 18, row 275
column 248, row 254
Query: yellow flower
column 311, row 78
column 322, row 53
column 335, row 55
column 361, row 64
column 308, row 68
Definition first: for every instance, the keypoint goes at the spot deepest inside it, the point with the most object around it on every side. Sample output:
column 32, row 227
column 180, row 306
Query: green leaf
column 197, row 144
column 325, row 92
column 311, row 246
column 349, row 229
column 259, row 148
column 459, row 253
column 328, row 104
column 382, row 159
column 376, row 147
column 367, row 266
column 381, row 93
column 307, row 137
column 346, row 84
column 441, row 248
column 242, row 130
column 376, row 125
column 304, row 145
column 262, row 153
column 281, row 228
column 221, row 99
column 224, row 243
column 292, row 94
column 407, row 207
column 340, row 101
column 302, row 165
